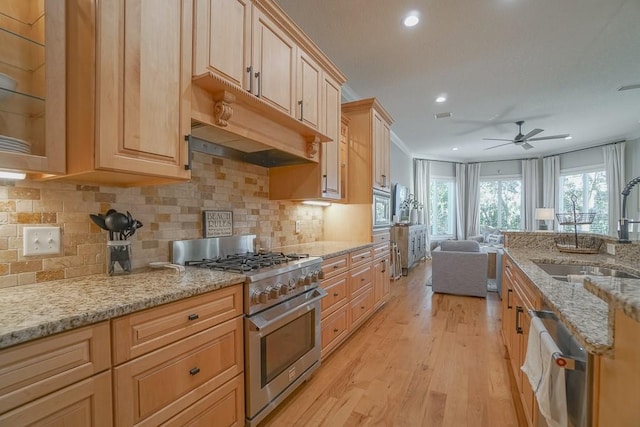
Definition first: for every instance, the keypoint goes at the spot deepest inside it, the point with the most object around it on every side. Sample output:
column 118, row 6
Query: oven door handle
column 265, row 326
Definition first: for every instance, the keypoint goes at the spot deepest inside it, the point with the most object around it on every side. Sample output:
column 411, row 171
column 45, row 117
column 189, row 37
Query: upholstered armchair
column 460, row 268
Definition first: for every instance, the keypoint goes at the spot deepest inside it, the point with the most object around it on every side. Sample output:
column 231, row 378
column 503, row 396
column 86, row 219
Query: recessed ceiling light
column 411, row 20
column 454, row 149
column 441, row 98
column 568, row 137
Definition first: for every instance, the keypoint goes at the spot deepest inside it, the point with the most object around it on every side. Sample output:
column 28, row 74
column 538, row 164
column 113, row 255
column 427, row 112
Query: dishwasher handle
column 562, row 360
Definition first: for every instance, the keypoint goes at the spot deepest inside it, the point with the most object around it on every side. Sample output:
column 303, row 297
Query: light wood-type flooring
column 424, row 359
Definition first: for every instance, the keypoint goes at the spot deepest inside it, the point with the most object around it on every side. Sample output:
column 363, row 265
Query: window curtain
column 614, row 169
column 421, row 185
column 461, row 197
column 473, row 199
column 530, row 192
column 551, row 184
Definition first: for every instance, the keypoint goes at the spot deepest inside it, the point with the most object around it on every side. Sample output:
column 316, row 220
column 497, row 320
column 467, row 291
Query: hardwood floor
column 424, row 359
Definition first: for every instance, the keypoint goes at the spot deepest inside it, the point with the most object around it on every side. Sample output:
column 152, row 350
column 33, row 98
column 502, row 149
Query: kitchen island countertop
column 34, row 311
column 583, row 307
column 325, row 249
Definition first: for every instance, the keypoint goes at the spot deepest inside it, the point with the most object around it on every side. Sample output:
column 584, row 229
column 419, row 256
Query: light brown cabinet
column 519, row 296
column 128, row 91
column 59, row 380
column 32, row 90
column 369, row 144
column 381, row 269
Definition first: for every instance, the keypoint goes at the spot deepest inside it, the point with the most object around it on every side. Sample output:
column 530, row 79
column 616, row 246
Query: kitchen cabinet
column 519, row 296
column 194, row 344
column 412, row 243
column 62, row 379
column 323, row 180
column 128, row 104
column 308, row 91
column 369, row 139
column 381, row 268
column 33, row 88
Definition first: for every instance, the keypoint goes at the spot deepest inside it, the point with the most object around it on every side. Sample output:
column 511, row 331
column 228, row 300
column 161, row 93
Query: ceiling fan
column 523, row 140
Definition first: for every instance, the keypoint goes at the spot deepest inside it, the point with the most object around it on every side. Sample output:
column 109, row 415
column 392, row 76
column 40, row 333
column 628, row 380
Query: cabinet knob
column 194, row 371
column 335, row 330
column 193, row 316
column 335, row 294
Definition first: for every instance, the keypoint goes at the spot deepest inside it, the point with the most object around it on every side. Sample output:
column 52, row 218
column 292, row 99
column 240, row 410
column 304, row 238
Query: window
column 590, row 191
column 501, row 203
column 443, row 207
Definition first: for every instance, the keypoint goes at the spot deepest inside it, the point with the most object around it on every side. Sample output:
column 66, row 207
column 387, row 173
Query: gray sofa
column 460, row 268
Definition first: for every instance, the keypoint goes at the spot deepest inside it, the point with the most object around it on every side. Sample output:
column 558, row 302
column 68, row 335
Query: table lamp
column 543, row 215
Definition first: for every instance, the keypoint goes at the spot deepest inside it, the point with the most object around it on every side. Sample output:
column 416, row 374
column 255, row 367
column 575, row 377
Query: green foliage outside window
column 501, row 204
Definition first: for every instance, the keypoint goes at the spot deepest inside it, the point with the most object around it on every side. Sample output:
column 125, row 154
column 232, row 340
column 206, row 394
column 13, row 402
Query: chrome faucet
column 623, row 233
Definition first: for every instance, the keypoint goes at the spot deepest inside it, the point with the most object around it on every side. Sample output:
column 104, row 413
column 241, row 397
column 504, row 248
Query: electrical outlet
column 298, row 225
column 611, row 248
column 41, row 240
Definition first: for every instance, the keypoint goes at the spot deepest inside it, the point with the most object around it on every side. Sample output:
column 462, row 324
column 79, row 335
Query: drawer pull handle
column 194, row 371
column 335, row 294
column 363, row 256
column 335, row 330
column 193, row 316
column 336, row 266
column 362, row 307
column 362, row 279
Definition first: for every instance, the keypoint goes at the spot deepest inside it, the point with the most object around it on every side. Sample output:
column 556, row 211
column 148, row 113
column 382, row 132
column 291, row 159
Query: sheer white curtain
column 551, row 184
column 473, row 199
column 421, row 184
column 461, row 200
column 614, row 169
column 530, row 192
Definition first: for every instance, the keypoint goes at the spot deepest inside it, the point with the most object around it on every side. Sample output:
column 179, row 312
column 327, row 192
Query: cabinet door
column 381, row 141
column 273, row 58
column 32, row 111
column 144, row 72
column 382, row 281
column 331, row 170
column 222, row 40
column 385, row 156
column 308, row 90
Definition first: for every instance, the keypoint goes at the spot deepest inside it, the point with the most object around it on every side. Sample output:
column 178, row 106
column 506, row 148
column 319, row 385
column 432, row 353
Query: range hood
column 220, row 143
column 229, row 122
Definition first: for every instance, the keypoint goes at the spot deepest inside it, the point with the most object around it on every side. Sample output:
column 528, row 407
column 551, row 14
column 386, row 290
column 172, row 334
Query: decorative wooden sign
column 217, row 223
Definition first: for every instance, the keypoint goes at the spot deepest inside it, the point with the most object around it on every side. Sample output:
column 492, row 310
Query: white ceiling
column 557, row 64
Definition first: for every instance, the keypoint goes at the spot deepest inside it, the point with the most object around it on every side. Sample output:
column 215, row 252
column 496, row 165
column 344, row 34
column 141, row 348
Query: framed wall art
column 217, row 223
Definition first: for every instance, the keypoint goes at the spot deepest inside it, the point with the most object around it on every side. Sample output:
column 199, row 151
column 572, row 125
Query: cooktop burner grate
column 250, row 261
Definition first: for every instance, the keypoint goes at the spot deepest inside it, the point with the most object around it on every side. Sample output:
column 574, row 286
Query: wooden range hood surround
column 221, row 105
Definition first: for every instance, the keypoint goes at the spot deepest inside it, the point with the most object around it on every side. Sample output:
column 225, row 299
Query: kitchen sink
column 561, row 271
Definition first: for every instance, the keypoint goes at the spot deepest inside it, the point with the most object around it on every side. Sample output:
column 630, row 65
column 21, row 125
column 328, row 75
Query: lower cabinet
column 518, row 297
column 357, row 284
column 412, row 243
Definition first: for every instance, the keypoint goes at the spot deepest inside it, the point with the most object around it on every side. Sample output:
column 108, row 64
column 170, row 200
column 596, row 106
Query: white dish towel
column 546, row 378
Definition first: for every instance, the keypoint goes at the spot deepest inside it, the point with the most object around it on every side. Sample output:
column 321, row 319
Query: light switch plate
column 298, row 225
column 41, row 241
column 611, row 248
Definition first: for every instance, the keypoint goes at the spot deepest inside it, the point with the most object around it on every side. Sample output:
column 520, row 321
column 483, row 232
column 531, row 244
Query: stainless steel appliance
column 381, row 209
column 578, row 365
column 282, row 314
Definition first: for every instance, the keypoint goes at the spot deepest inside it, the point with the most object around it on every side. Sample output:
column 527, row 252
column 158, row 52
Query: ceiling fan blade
column 498, row 139
column 550, row 137
column 496, row 146
column 526, row 146
column 530, row 134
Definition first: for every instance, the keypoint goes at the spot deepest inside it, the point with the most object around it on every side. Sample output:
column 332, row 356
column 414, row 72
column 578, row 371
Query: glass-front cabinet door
column 32, row 86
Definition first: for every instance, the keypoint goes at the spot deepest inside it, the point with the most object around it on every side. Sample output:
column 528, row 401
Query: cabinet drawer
column 158, row 385
column 223, row 407
column 380, row 249
column 85, row 403
column 359, row 279
column 361, row 307
column 148, row 330
column 34, row 369
column 334, row 329
column 336, row 288
column 360, row 257
column 335, row 265
column 381, row 237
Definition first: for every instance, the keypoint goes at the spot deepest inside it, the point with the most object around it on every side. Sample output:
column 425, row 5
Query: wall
column 170, row 212
column 632, row 170
column 401, row 166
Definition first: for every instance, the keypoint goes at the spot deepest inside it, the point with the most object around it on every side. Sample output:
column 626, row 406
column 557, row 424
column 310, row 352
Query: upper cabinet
column 129, row 74
column 369, row 144
column 257, row 77
column 32, row 86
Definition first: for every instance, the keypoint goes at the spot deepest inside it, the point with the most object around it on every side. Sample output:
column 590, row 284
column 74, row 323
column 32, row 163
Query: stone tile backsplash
column 168, row 212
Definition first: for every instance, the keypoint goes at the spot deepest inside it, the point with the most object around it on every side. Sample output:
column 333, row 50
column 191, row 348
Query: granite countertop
column 325, row 249
column 583, row 307
column 33, row 311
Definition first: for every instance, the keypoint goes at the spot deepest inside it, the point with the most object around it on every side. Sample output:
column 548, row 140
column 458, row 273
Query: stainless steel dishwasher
column 578, row 364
